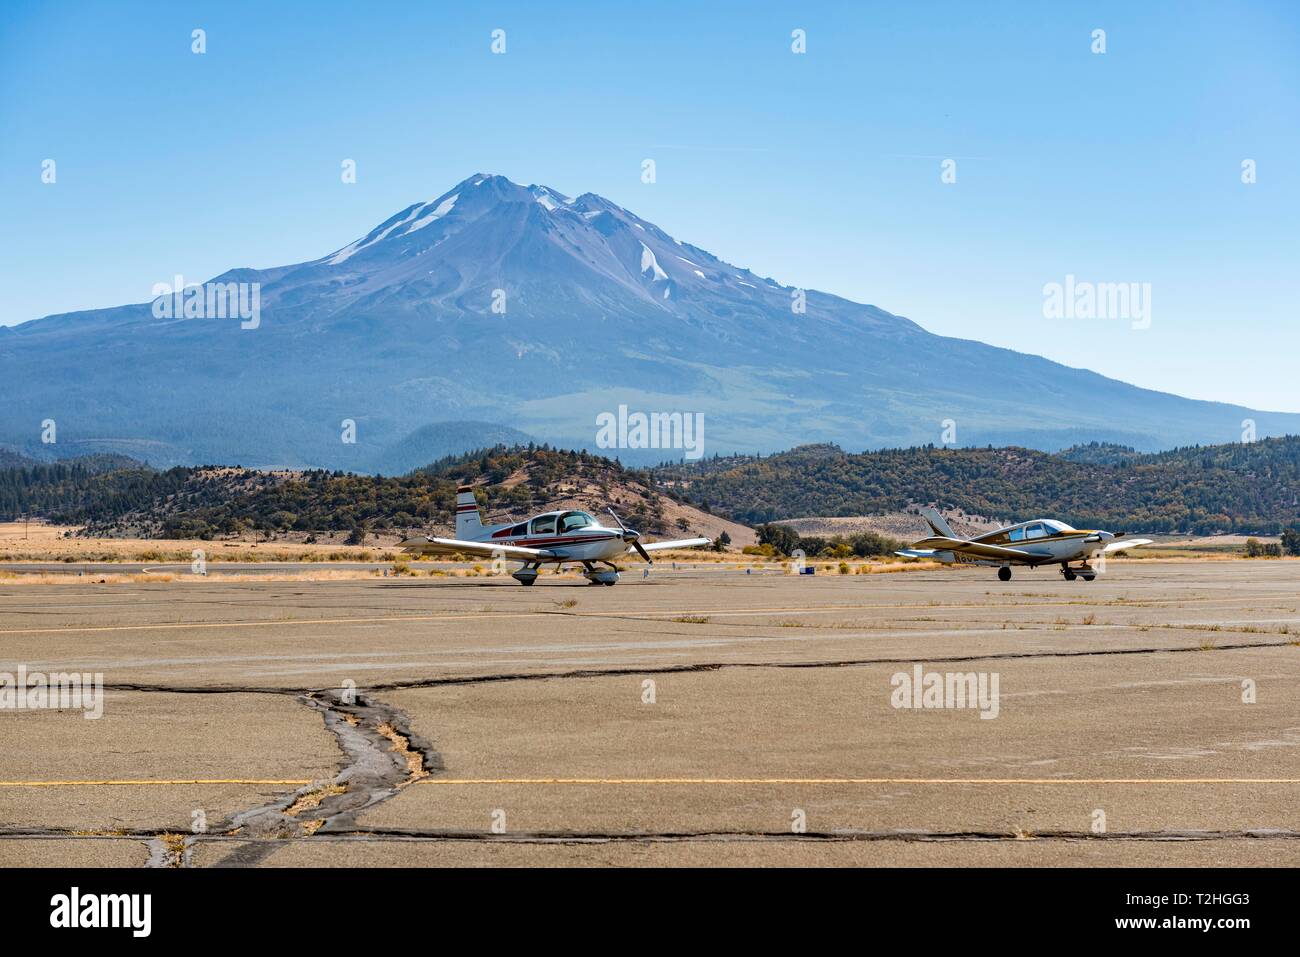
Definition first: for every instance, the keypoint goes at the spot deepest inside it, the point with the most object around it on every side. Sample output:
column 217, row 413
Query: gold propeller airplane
column 552, row 538
column 1043, row 541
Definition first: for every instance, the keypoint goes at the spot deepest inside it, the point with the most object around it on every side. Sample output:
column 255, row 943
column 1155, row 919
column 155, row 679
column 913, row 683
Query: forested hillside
column 211, row 501
column 1251, row 489
column 1247, row 488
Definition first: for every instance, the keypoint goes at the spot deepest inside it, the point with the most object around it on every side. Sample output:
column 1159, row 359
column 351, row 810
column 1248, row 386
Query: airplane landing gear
column 1004, row 574
column 526, row 575
column 1068, row 573
column 1085, row 572
column 600, row 576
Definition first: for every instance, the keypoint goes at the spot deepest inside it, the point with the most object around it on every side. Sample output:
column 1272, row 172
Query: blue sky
column 821, row 170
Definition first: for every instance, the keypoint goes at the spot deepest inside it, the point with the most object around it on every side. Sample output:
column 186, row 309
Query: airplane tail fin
column 938, row 524
column 469, row 523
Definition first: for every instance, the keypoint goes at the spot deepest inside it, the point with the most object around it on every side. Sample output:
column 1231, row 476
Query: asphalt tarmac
column 697, row 716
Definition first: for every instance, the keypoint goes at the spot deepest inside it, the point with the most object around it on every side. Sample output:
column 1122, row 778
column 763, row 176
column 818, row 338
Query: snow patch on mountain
column 443, row 209
column 648, row 262
column 549, row 199
column 347, row 252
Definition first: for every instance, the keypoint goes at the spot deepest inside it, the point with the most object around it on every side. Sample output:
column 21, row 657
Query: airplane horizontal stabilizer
column 974, row 549
column 1127, row 543
column 680, row 543
column 450, row 546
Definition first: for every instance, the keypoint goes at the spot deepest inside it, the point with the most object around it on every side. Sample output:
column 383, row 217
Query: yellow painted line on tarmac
column 300, row 782
column 845, row 781
column 148, row 783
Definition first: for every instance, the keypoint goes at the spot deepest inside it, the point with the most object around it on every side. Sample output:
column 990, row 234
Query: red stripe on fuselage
column 551, row 540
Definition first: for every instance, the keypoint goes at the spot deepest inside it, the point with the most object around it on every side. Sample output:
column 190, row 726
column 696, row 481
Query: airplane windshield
column 571, row 520
column 1057, row 526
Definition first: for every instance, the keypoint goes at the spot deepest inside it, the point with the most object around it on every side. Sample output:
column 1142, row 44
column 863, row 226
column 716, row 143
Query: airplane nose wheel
column 1068, row 573
column 1004, row 574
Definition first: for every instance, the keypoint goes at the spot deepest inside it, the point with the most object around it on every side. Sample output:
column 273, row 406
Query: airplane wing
column 974, row 549
column 1127, row 543
column 679, row 543
column 449, row 546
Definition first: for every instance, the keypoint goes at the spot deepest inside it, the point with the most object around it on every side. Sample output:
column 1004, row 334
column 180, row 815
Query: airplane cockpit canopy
column 1041, row 528
column 1056, row 526
column 571, row 520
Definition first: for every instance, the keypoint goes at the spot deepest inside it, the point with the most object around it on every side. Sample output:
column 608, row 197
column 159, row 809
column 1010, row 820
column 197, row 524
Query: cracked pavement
column 474, row 722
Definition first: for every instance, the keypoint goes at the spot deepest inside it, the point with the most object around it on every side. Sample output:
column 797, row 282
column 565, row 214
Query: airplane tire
column 1004, row 574
column 527, row 581
column 1069, row 574
column 1088, row 578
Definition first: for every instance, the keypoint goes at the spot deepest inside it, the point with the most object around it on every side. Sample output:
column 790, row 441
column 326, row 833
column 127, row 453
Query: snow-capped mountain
column 536, row 311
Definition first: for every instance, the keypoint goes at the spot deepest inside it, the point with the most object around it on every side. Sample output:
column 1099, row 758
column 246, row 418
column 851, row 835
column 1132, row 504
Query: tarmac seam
column 382, row 835
column 385, row 835
column 701, row 667
column 704, row 667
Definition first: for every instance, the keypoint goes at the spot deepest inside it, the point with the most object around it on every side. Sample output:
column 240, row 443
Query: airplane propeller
column 631, row 537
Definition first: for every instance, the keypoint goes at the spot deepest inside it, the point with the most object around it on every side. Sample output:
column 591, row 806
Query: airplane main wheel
column 1088, row 578
column 1004, row 574
column 610, row 584
column 1069, row 574
column 527, row 581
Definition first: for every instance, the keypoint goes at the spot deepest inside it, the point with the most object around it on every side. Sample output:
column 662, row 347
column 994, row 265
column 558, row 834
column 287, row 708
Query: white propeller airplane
column 1043, row 541
column 552, row 538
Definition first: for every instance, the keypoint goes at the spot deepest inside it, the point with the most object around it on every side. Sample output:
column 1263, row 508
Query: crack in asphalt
column 387, row 835
column 382, row 755
column 834, row 835
column 703, row 667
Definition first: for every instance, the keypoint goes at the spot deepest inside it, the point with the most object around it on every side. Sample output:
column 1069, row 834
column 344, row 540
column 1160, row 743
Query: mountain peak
column 497, row 302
